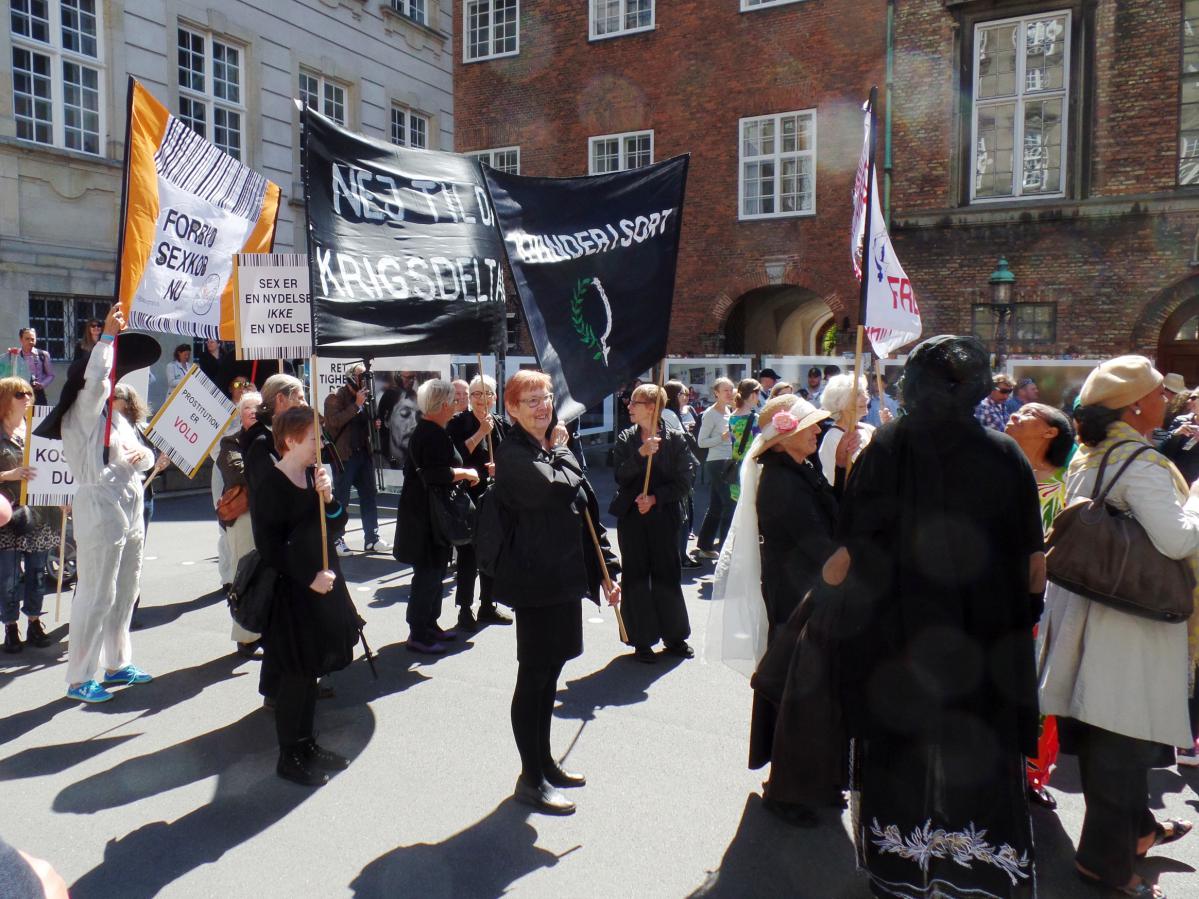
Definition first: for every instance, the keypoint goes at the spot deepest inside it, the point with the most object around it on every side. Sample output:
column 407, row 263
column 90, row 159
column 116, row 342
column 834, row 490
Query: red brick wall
column 1112, row 259
column 704, row 67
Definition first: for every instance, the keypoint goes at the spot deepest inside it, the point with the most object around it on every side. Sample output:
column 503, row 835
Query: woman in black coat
column 544, row 562
column 797, row 517
column 648, row 527
column 432, row 462
column 313, row 625
column 477, row 433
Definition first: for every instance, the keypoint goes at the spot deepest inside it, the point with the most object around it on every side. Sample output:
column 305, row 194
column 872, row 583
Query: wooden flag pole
column 658, row 406
column 490, row 444
column 881, row 385
column 316, row 433
column 599, row 552
column 62, row 555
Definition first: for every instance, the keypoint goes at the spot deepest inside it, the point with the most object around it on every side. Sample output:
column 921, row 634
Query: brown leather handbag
column 1106, row 556
column 233, row 504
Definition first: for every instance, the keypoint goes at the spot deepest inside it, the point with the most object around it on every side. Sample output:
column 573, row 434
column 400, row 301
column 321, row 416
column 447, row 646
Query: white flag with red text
column 892, row 314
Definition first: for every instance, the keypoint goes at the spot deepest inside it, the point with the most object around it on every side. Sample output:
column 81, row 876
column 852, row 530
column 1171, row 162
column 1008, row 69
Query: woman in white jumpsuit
column 108, row 525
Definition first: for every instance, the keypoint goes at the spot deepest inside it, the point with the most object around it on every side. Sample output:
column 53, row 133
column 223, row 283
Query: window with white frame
column 417, row 10
column 58, row 73
column 1021, row 98
column 212, row 96
column 759, row 4
column 620, row 152
column 502, row 159
column 326, row 97
column 611, row 18
column 778, row 165
column 408, row 128
column 492, row 29
column 1188, row 123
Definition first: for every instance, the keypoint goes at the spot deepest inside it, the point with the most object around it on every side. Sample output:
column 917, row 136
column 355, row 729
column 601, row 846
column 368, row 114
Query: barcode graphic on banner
column 49, row 499
column 170, row 325
column 170, row 451
column 263, row 260
column 297, row 351
column 193, row 164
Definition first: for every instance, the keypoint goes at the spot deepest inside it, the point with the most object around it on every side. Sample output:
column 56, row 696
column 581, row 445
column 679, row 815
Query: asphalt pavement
column 169, row 790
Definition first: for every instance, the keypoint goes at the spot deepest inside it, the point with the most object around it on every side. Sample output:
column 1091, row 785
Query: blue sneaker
column 89, row 691
column 127, row 676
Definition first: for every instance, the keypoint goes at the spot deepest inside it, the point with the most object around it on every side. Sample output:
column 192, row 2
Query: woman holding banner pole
column 648, row 522
column 545, row 562
column 107, row 510
column 32, row 532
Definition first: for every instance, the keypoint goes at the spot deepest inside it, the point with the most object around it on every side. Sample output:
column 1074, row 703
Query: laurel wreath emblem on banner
column 586, row 334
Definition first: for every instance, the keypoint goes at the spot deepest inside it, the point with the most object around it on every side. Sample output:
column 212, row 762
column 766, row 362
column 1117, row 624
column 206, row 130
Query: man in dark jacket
column 348, row 425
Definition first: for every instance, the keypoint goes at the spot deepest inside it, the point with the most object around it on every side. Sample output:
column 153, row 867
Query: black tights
column 532, row 712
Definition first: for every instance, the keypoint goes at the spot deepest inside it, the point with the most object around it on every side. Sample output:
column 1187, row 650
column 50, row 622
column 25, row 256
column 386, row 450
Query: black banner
column 402, row 246
column 594, row 261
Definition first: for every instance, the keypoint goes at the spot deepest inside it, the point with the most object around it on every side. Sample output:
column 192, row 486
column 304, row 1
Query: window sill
column 467, row 62
column 763, row 6
column 598, row 38
column 1040, row 211
column 775, row 216
column 28, row 146
column 417, row 34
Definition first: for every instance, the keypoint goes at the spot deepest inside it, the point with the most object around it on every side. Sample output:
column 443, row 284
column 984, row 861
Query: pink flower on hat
column 784, row 422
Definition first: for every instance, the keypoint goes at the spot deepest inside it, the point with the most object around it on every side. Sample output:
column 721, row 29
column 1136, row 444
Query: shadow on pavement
column 39, row 761
column 622, row 681
column 768, row 858
column 165, row 613
column 247, row 800
column 483, row 860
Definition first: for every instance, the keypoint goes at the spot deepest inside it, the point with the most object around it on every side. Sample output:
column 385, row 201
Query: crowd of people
column 892, row 608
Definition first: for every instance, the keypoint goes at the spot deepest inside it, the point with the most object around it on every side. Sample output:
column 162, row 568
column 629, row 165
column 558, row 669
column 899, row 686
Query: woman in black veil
column 940, row 577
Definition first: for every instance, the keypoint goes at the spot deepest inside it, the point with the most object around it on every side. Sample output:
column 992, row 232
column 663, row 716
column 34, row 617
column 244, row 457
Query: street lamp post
column 1003, row 283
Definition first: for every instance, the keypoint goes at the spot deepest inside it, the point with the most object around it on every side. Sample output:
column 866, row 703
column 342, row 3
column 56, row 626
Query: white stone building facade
column 228, row 67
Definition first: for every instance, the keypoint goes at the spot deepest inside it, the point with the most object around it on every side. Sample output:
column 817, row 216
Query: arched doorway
column 1178, row 347
column 778, row 320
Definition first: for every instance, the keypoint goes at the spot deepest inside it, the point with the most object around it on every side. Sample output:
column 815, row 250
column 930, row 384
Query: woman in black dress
column 477, row 433
column 431, row 461
column 648, row 527
column 313, row 625
column 544, row 563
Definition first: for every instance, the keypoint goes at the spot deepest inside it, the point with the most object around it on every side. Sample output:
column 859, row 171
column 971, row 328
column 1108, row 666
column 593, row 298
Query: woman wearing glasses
column 477, row 433
column 647, row 528
column 33, row 530
column 544, row 564
column 432, row 462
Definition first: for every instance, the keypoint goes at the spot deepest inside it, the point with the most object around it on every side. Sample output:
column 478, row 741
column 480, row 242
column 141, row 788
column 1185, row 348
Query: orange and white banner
column 189, row 207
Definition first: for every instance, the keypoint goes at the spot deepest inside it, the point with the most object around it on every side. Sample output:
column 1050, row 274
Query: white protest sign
column 273, row 308
column 331, row 373
column 193, row 418
column 53, row 485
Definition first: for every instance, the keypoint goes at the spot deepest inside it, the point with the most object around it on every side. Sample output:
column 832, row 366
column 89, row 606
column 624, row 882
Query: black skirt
column 549, row 635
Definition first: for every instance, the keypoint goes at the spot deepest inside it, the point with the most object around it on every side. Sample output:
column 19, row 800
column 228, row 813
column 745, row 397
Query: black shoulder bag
column 252, row 594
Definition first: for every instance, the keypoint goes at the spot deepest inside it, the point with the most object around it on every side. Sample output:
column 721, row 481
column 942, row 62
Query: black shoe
column 466, row 620
column 247, row 650
column 324, row 759
column 294, row 766
column 544, row 798
column 680, row 649
column 1040, row 796
column 12, row 638
column 689, row 563
column 440, row 636
column 36, row 634
column 557, row 777
column 645, row 654
column 489, row 614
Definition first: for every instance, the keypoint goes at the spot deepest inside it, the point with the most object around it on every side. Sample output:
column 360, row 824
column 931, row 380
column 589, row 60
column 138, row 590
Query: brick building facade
column 562, row 89
column 1098, row 210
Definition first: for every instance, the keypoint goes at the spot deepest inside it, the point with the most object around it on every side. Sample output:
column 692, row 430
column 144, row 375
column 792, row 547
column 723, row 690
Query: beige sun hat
column 1120, row 382
column 1174, row 383
column 786, row 416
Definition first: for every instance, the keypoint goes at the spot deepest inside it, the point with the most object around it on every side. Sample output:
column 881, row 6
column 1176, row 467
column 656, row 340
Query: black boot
column 12, row 638
column 296, row 767
column 36, row 634
column 324, row 759
column 543, row 797
column 466, row 620
column 489, row 614
column 557, row 777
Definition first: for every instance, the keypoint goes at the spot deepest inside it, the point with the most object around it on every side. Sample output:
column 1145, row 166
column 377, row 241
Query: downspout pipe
column 887, row 128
